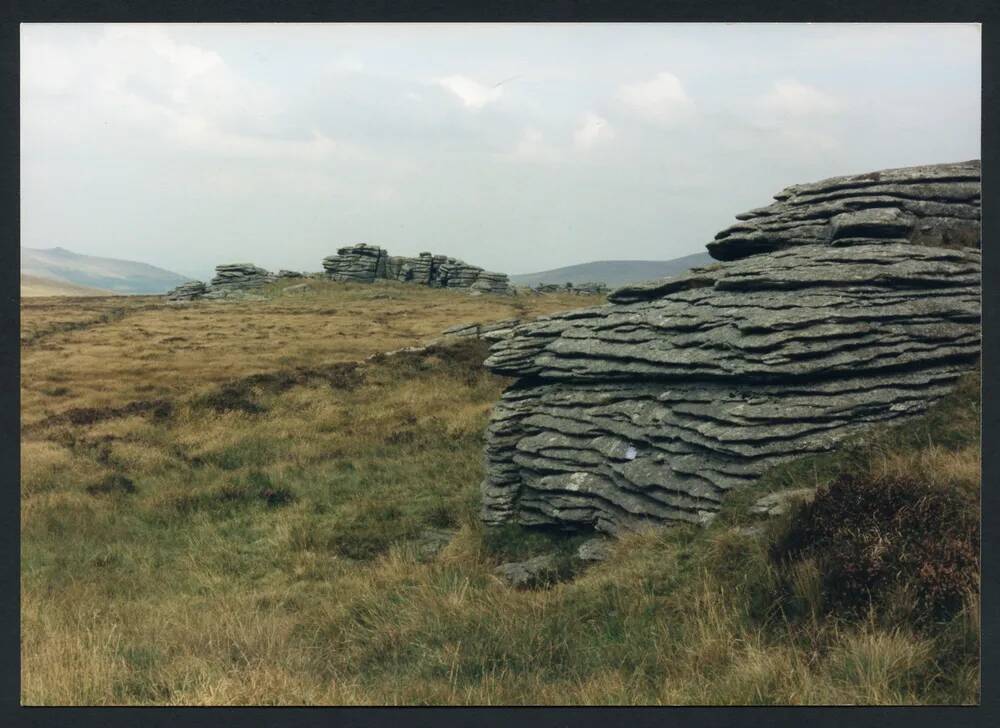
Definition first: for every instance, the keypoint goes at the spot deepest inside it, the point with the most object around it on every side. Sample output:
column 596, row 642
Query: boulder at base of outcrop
column 649, row 409
column 779, row 502
column 187, row 291
column 594, row 549
column 537, row 571
column 936, row 205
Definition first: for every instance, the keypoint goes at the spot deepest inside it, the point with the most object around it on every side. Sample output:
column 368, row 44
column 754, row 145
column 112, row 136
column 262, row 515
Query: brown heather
column 219, row 508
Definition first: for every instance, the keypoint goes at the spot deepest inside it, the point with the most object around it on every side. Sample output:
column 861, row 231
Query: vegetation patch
column 898, row 538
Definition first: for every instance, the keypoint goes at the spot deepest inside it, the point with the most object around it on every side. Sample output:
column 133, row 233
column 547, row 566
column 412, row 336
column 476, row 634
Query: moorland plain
column 230, row 503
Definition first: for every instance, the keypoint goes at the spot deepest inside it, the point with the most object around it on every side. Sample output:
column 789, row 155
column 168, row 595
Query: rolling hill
column 110, row 275
column 614, row 272
column 38, row 286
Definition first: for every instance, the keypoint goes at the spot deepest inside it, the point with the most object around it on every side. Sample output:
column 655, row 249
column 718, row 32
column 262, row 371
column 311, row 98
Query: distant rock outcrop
column 580, row 289
column 187, row 291
column 230, row 277
column 364, row 263
column 649, row 409
column 232, row 280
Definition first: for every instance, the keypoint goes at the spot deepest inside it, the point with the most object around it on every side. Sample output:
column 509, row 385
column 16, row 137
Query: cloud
column 593, row 130
column 661, row 99
column 137, row 86
column 473, row 94
column 791, row 98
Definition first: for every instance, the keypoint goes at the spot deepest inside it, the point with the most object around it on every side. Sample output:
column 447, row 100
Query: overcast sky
column 515, row 147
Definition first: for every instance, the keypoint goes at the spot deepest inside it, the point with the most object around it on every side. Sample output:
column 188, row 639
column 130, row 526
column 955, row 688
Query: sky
column 516, row 147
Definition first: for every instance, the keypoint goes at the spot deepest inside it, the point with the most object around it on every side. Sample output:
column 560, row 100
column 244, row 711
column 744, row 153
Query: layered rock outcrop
column 187, row 291
column 649, row 409
column 936, row 205
column 364, row 263
column 231, row 280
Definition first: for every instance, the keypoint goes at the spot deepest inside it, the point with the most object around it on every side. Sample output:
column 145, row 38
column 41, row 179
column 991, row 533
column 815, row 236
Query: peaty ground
column 220, row 505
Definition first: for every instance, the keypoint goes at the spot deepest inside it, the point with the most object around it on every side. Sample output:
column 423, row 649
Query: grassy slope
column 274, row 557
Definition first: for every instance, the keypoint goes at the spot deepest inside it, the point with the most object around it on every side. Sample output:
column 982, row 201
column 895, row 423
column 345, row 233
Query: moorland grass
column 271, row 554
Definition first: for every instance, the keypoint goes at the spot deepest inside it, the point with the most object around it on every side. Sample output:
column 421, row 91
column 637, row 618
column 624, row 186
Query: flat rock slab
column 935, row 205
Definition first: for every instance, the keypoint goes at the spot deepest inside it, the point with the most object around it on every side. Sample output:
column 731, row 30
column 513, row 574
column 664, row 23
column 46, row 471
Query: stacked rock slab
column 937, row 205
column 649, row 409
column 231, row 276
column 358, row 263
column 367, row 263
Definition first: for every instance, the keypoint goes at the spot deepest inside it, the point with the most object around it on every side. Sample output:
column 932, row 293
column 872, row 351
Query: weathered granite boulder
column 936, row 205
column 649, row 409
column 189, row 291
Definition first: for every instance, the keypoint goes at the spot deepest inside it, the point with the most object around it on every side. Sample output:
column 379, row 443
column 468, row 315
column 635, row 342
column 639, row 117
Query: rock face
column 937, row 205
column 649, row 409
column 364, row 263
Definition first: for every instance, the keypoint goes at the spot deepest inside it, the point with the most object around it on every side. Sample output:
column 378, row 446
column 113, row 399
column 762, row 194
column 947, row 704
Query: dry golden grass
column 271, row 554
column 152, row 349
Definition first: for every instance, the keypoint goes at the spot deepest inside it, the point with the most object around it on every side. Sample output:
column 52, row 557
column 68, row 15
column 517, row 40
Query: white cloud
column 789, row 97
column 662, row 99
column 593, row 129
column 473, row 94
column 138, row 85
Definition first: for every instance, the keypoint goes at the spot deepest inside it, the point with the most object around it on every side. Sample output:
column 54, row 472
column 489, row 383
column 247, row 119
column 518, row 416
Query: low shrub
column 879, row 542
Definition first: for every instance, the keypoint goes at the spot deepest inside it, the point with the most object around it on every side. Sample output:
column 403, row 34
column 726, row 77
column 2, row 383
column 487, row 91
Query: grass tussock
column 274, row 554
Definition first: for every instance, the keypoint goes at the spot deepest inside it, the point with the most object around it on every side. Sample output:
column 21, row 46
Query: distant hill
column 110, row 275
column 38, row 286
column 614, row 272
